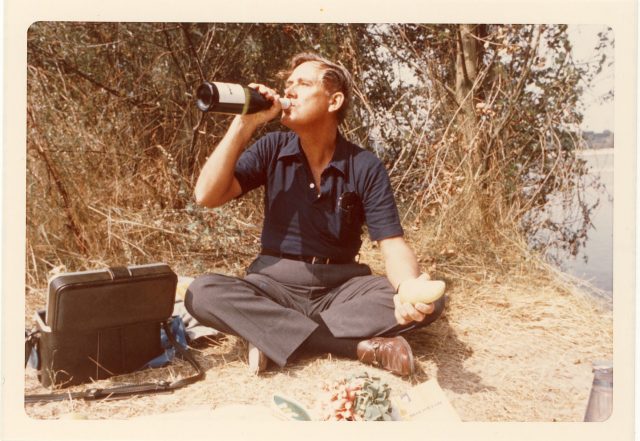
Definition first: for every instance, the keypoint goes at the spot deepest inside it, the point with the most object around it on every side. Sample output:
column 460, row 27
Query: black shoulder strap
column 127, row 390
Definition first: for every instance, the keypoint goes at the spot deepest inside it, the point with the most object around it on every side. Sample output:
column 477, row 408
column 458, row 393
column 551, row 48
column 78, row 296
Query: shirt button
column 312, row 185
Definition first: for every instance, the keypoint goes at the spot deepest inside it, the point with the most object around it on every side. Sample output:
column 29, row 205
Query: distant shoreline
column 596, row 152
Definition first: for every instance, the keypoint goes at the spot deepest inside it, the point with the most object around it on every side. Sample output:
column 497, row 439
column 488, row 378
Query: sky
column 598, row 116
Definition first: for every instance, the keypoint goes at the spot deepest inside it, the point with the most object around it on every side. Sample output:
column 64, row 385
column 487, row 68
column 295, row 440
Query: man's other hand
column 406, row 312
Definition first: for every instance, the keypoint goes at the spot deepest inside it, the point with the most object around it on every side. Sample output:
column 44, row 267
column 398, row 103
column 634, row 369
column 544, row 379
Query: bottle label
column 231, row 93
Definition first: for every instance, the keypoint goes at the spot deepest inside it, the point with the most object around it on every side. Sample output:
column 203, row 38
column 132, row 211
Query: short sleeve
column 252, row 166
column 380, row 210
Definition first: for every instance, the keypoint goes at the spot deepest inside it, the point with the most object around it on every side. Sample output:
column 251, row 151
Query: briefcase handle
column 119, row 272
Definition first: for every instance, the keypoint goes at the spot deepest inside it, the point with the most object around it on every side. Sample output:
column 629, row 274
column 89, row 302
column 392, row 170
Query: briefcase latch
column 119, row 272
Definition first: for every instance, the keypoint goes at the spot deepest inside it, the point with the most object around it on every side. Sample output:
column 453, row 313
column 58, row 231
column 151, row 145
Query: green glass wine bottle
column 232, row 98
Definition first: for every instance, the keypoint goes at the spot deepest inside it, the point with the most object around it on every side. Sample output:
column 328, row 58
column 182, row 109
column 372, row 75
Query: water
column 594, row 262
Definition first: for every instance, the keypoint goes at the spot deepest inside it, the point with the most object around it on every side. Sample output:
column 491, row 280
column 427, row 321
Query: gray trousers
column 280, row 302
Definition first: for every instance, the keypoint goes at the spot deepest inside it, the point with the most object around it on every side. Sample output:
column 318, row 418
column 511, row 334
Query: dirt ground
column 516, row 349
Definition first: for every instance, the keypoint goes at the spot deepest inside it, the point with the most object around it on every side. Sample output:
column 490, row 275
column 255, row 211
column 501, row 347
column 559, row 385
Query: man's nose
column 289, row 91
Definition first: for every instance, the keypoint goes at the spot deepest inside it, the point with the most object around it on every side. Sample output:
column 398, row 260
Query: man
column 305, row 292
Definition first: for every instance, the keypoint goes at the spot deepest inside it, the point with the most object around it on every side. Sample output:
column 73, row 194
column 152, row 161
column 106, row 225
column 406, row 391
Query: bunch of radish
column 357, row 398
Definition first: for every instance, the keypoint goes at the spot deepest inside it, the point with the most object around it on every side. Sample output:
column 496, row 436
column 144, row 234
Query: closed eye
column 298, row 82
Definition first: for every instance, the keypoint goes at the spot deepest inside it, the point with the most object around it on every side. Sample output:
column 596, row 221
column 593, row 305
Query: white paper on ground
column 425, row 402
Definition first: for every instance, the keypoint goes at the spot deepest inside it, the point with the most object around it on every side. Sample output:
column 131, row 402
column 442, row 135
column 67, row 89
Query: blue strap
column 180, row 334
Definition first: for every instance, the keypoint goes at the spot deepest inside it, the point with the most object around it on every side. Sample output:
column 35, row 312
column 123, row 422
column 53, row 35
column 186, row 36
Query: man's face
column 310, row 101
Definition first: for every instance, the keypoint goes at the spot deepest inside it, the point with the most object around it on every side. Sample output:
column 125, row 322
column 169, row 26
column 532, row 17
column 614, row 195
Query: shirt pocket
column 349, row 214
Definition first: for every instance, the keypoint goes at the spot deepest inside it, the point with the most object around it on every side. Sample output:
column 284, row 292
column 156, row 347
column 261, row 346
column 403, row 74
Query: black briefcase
column 103, row 323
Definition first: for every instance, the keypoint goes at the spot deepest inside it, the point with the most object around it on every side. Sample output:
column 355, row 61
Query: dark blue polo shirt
column 299, row 219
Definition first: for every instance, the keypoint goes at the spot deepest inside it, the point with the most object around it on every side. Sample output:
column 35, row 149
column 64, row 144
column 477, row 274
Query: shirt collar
column 292, row 148
column 340, row 156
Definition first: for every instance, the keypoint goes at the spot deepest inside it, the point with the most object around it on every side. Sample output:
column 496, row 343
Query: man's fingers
column 416, row 315
column 425, row 308
column 399, row 311
column 265, row 91
column 406, row 312
column 399, row 318
column 409, row 313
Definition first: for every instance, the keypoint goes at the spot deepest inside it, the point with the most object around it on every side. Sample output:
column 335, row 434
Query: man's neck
column 319, row 144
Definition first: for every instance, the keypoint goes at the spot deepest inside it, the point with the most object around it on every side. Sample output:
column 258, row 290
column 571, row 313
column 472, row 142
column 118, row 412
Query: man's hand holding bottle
column 256, row 119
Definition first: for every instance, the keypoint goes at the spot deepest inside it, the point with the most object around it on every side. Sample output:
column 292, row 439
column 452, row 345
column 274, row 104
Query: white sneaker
column 258, row 362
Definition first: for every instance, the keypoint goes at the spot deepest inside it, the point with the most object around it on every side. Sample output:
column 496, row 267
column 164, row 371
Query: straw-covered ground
column 513, row 347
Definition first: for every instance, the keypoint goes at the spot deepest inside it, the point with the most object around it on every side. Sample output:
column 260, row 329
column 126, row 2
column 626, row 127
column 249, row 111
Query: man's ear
column 335, row 101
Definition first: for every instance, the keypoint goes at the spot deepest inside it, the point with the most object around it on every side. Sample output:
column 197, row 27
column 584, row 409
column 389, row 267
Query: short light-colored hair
column 335, row 78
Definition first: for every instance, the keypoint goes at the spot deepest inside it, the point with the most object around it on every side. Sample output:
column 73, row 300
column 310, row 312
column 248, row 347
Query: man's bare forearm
column 400, row 261
column 214, row 186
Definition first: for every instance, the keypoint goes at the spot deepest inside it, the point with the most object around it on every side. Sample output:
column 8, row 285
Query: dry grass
column 511, row 347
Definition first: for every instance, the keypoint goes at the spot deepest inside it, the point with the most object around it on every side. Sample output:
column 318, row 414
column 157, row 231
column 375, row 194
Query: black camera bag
column 102, row 323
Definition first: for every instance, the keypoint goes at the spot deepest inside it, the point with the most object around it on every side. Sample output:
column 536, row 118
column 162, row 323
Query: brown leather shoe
column 390, row 353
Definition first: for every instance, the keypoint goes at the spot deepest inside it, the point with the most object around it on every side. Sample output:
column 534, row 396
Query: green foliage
column 372, row 402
